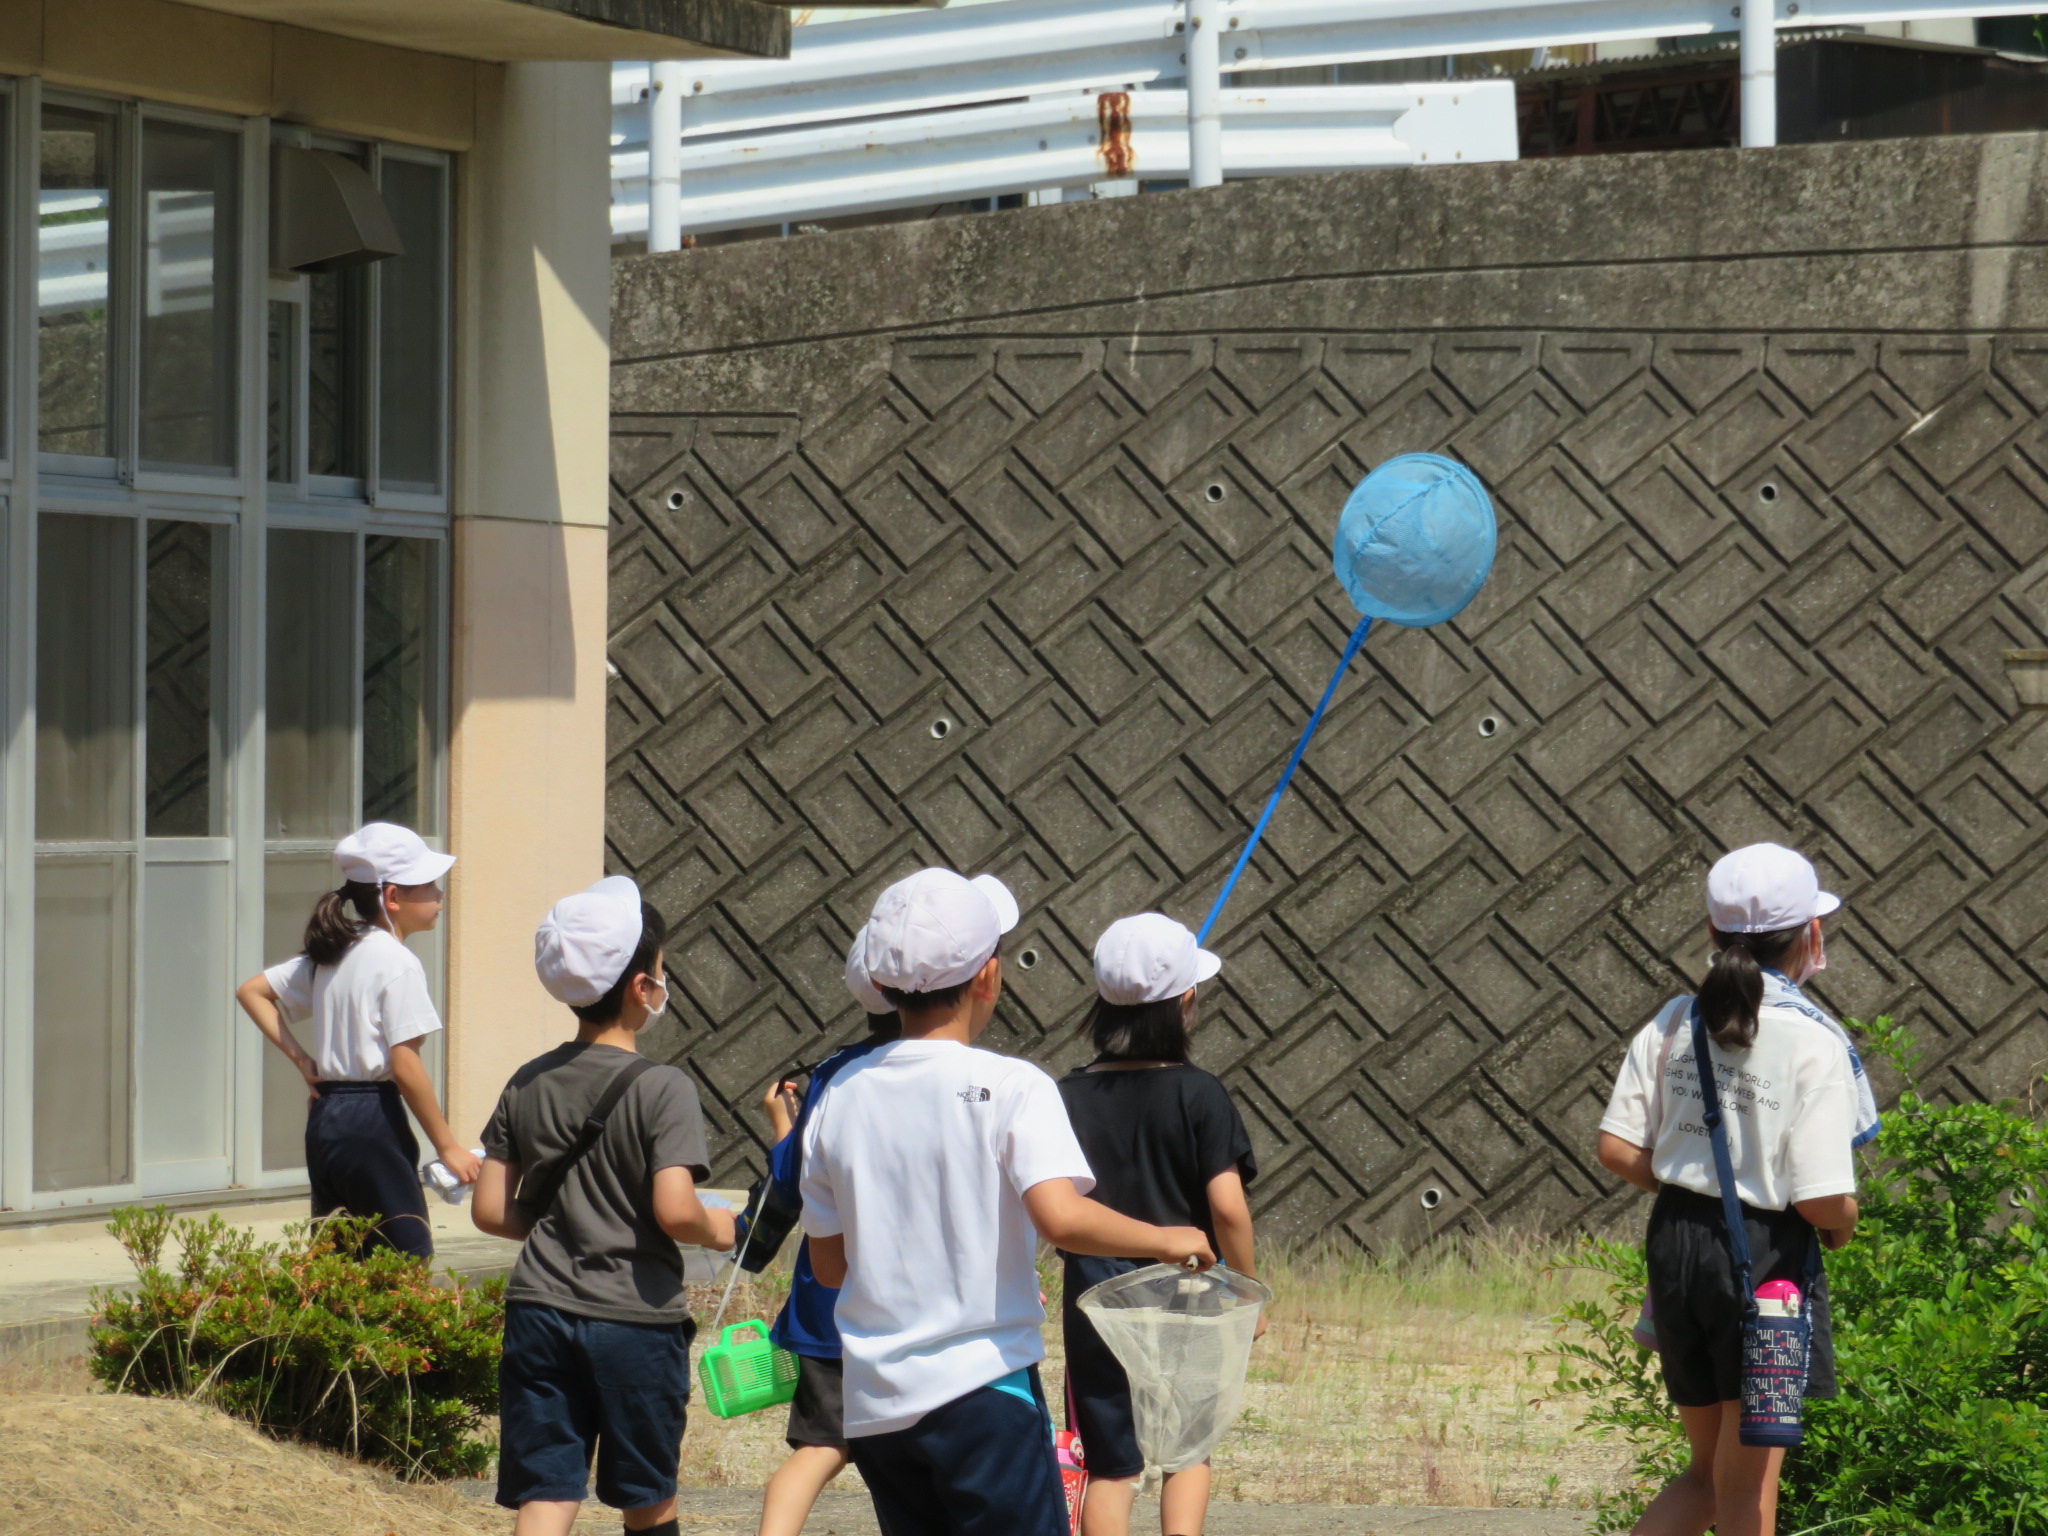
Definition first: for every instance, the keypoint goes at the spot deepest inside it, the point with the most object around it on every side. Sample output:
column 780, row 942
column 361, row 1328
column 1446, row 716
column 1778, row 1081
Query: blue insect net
column 1415, row 541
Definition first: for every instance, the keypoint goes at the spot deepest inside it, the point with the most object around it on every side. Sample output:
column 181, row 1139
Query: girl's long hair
column 1733, row 993
column 330, row 931
column 1139, row 1031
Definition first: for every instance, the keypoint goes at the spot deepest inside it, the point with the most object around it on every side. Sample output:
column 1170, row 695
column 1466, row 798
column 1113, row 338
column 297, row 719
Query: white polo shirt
column 919, row 1154
column 1788, row 1104
column 374, row 999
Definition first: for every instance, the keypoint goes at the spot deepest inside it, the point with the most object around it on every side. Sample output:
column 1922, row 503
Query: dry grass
column 1405, row 1382
column 1413, row 1381
column 1410, row 1381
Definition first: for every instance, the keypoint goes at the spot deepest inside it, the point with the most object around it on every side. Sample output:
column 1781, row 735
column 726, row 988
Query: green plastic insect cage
column 744, row 1372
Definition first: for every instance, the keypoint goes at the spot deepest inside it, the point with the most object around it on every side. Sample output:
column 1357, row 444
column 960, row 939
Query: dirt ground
column 1378, row 1390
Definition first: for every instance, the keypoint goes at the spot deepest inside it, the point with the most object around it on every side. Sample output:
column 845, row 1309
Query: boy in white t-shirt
column 930, row 1171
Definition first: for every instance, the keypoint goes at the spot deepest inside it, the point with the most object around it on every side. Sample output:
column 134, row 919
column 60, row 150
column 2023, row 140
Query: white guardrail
column 1049, row 62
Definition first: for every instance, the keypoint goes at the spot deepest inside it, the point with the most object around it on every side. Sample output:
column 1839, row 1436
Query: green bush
column 305, row 1340
column 1941, row 1338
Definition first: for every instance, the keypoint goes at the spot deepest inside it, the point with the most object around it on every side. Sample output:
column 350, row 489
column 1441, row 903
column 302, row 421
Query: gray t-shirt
column 598, row 1252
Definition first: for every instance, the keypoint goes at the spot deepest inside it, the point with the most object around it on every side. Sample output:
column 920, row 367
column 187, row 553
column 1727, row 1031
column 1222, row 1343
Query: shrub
column 305, row 1340
column 1941, row 1338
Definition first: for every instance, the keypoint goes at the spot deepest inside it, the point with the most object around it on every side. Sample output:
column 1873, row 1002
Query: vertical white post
column 1205, row 86
column 1759, row 74
column 665, row 88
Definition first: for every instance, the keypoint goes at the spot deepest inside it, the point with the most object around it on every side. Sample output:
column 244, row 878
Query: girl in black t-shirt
column 1167, row 1146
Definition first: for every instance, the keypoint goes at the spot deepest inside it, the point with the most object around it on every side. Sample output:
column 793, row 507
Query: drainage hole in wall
column 1432, row 1198
column 1767, row 492
column 675, row 501
column 1214, row 493
column 1488, row 724
column 1027, row 959
column 941, row 728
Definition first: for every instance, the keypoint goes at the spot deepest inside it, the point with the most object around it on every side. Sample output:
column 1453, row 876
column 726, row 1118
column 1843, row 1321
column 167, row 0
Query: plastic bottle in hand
column 441, row 1179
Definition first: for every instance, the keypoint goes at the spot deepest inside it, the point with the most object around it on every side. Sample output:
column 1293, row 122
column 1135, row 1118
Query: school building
column 304, row 416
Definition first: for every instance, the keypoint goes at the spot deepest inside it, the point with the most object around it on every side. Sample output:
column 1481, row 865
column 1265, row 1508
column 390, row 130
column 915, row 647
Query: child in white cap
column 816, row 1434
column 1789, row 1089
column 930, row 1169
column 592, row 1157
column 1168, row 1146
column 366, row 994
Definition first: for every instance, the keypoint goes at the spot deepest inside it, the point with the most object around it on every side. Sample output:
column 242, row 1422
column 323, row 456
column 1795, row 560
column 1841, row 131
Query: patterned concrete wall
column 1043, row 588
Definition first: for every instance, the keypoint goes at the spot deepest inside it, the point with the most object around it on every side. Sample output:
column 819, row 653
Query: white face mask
column 662, row 1007
column 1816, row 959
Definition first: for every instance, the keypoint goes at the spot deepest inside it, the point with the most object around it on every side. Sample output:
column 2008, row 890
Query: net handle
column 737, row 1260
column 1273, row 803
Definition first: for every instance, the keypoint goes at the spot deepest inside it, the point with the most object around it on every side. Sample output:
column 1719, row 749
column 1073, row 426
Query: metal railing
column 1050, row 61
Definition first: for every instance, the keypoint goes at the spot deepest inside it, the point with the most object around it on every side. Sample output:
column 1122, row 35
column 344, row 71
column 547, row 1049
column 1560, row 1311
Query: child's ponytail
column 1732, row 996
column 330, row 931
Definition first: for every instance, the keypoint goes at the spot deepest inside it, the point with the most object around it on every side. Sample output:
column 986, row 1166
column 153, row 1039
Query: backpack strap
column 1724, row 1165
column 538, row 1189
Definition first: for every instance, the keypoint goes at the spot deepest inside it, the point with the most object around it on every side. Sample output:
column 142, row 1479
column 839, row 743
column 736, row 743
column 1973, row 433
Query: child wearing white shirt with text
column 930, row 1170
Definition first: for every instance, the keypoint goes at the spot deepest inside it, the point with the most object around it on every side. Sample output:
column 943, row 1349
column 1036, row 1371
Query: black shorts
column 1099, row 1390
column 1694, row 1297
column 817, row 1414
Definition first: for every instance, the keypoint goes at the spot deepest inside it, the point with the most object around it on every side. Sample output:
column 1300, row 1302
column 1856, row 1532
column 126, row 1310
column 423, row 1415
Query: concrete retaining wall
column 1765, row 432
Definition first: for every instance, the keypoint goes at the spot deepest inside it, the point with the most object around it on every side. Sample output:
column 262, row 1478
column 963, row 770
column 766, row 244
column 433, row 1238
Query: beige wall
column 200, row 58
column 527, row 755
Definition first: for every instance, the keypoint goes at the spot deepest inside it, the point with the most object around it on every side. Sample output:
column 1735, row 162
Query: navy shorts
column 1101, row 1391
column 981, row 1465
column 817, row 1414
column 1697, row 1305
column 363, row 1160
column 568, row 1385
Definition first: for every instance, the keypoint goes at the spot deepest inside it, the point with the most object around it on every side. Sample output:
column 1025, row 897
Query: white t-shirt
column 1788, row 1104
column 919, row 1154
column 374, row 999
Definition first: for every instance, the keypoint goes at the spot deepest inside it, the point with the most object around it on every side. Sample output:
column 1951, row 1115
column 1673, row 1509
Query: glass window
column 185, row 681
column 337, row 304
column 281, row 413
column 292, row 882
column 400, row 596
column 190, row 237
column 73, row 282
column 310, row 749
column 412, row 328
column 85, row 679
column 83, row 1038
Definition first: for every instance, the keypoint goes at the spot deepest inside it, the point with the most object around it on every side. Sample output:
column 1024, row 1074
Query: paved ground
column 48, row 1272
column 849, row 1514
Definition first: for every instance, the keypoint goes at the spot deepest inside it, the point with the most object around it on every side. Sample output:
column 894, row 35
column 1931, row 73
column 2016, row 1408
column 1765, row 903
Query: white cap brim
column 424, row 870
column 999, row 897
column 1827, row 902
column 1207, row 965
column 857, row 981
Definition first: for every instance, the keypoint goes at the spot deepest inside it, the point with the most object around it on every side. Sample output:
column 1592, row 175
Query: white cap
column 935, row 929
column 383, row 854
column 585, row 944
column 857, row 981
column 1764, row 888
column 1149, row 958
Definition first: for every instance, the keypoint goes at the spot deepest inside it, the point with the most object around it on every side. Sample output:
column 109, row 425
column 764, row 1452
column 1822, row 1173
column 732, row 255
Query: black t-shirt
column 1155, row 1137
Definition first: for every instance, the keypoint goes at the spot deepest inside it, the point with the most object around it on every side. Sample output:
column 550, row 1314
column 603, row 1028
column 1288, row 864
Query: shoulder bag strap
column 1724, row 1165
column 537, row 1191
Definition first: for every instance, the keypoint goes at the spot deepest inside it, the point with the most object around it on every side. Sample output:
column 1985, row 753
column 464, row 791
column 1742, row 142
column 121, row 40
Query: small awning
column 532, row 31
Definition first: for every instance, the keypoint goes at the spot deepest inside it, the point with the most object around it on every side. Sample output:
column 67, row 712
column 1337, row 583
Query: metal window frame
column 380, row 495
column 248, row 505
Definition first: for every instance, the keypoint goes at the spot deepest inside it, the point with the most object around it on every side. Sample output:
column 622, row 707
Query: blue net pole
column 1273, row 804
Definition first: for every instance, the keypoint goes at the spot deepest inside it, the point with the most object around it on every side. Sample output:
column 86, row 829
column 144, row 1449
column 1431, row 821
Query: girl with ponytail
column 366, row 995
column 1795, row 1104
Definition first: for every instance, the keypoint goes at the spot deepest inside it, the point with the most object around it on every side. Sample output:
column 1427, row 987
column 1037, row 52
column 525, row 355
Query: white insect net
column 1184, row 1340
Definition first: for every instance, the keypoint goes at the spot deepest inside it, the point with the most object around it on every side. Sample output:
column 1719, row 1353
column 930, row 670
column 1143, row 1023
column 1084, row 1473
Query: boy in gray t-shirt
column 597, row 1325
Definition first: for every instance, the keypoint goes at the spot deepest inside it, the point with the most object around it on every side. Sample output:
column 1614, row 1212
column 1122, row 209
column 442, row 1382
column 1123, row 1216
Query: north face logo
column 974, row 1095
